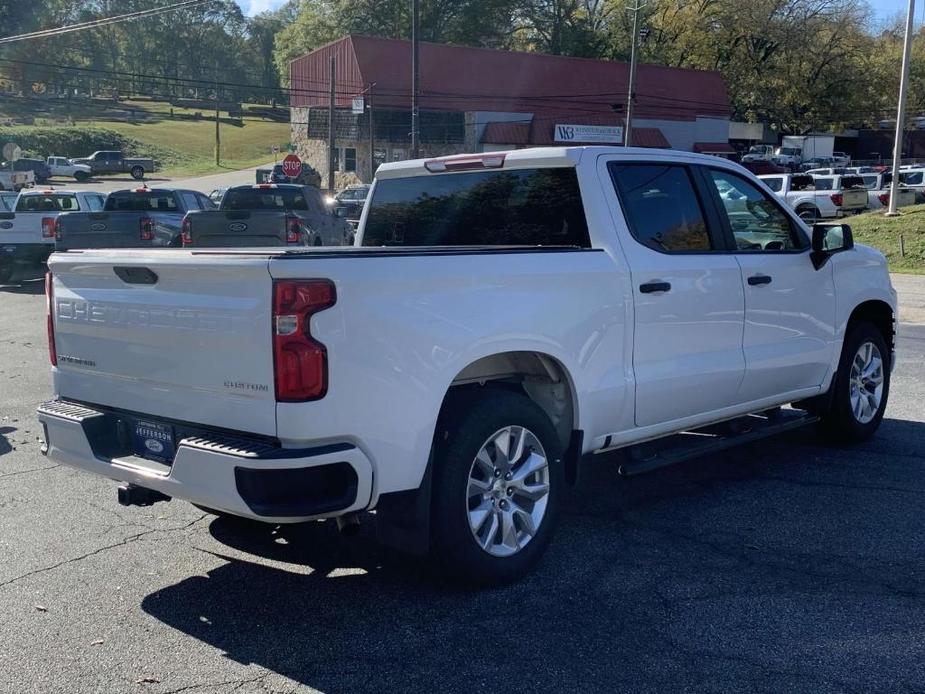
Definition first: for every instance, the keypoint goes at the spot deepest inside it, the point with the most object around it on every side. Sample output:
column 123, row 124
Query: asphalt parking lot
column 783, row 566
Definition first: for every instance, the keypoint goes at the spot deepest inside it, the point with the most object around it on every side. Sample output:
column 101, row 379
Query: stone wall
column 314, row 151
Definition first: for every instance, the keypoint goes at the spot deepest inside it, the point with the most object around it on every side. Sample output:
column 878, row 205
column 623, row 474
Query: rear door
column 687, row 294
column 187, row 338
column 789, row 305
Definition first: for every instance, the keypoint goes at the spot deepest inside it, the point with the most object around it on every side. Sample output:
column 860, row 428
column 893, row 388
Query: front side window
column 757, row 223
column 775, row 184
column 913, row 178
column 661, row 207
column 520, row 207
column 190, row 201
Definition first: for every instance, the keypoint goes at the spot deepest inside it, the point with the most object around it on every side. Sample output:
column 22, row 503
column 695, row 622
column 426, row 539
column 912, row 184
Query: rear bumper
column 25, row 253
column 246, row 477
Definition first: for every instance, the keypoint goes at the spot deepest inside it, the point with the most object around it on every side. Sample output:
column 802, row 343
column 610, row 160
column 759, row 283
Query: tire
column 6, row 273
column 808, row 214
column 318, row 241
column 138, row 173
column 81, row 176
column 500, row 549
column 852, row 415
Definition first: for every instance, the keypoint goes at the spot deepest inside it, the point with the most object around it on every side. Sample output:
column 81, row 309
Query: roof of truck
column 533, row 157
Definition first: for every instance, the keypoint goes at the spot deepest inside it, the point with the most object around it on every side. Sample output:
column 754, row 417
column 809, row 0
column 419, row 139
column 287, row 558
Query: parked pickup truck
column 878, row 191
column 113, row 161
column 15, row 180
column 267, row 214
column 62, row 167
column 27, row 233
column 799, row 191
column 134, row 218
column 501, row 315
column 847, row 192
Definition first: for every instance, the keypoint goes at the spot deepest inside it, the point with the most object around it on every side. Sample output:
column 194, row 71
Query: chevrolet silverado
column 501, row 315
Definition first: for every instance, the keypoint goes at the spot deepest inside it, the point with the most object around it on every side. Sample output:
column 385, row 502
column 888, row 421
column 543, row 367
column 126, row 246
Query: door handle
column 652, row 287
column 755, row 280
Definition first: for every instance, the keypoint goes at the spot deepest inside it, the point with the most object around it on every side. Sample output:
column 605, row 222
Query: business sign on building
column 601, row 134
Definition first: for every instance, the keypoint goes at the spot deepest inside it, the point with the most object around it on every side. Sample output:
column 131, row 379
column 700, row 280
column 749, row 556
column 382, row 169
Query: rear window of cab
column 516, row 207
column 47, row 203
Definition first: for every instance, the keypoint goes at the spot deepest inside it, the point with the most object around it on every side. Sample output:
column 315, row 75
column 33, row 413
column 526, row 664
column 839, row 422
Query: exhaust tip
column 349, row 524
column 133, row 495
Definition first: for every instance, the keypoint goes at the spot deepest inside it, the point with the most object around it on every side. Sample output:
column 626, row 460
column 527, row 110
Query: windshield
column 47, row 203
column 264, row 199
column 480, row 208
column 353, row 194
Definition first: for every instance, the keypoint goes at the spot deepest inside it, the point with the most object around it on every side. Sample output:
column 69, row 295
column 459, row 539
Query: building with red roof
column 477, row 99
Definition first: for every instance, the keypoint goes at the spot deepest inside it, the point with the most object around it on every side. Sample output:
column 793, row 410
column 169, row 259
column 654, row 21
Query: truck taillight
column 884, row 199
column 300, row 363
column 186, row 232
column 146, row 229
column 48, row 227
column 50, row 304
column 837, row 198
column 293, row 230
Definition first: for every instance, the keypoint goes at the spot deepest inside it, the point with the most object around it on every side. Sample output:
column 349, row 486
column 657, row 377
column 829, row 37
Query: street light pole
column 901, row 111
column 415, row 80
column 631, row 92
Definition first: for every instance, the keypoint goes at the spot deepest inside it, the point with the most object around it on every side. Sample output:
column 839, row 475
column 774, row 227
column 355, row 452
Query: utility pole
column 218, row 137
column 372, row 135
column 331, row 105
column 901, row 112
column 415, row 80
column 631, row 92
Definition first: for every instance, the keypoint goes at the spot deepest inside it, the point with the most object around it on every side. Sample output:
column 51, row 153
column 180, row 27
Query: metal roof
column 462, row 78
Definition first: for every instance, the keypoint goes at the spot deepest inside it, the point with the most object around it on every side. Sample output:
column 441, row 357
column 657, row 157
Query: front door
column 687, row 294
column 789, row 305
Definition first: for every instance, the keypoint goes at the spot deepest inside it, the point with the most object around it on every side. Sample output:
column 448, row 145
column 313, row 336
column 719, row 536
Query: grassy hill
column 182, row 143
column 875, row 229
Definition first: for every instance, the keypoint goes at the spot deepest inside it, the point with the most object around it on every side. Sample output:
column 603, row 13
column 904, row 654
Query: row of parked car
column 34, row 222
column 26, row 172
column 832, row 193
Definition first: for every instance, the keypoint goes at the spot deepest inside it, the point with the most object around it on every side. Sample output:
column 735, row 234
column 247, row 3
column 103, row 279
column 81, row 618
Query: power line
column 92, row 24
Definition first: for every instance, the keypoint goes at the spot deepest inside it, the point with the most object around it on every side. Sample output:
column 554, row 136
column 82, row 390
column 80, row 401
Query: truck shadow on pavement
column 749, row 570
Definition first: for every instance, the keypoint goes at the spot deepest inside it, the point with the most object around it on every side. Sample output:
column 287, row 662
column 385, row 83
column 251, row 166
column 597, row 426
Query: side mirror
column 829, row 239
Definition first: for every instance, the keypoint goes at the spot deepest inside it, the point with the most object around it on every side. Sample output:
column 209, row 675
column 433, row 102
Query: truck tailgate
column 237, row 228
column 167, row 333
column 854, row 199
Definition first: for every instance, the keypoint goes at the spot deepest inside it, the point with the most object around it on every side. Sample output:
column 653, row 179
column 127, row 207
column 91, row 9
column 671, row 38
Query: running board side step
column 660, row 453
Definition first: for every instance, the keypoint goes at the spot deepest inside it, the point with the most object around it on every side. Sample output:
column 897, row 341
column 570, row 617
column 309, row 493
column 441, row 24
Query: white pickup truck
column 501, row 315
column 27, row 234
column 799, row 191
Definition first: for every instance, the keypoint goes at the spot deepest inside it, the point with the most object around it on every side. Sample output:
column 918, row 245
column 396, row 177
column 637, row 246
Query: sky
column 252, row 7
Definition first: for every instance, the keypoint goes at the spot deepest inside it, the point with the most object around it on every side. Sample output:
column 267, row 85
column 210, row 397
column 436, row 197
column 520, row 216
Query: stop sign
column 292, row 166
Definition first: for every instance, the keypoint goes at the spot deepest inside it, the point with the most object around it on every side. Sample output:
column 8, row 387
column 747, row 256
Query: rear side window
column 802, row 183
column 522, row 207
column 141, row 202
column 825, row 184
column 870, row 182
column 190, row 201
column 94, row 203
column 47, row 203
column 264, row 199
column 661, row 207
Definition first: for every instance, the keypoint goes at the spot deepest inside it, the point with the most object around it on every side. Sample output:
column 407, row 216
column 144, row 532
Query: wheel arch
column 880, row 314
